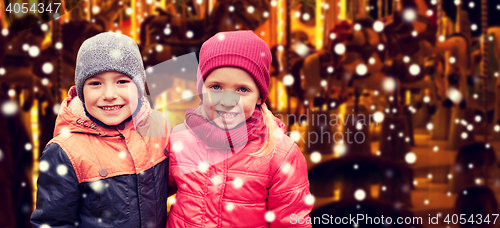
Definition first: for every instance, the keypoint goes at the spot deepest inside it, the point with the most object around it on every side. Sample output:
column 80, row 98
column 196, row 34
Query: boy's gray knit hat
column 109, row 51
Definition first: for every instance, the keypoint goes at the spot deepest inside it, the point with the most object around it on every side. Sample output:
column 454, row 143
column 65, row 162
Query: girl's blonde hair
column 273, row 133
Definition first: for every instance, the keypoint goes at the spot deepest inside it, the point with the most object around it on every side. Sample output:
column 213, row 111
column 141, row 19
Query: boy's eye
column 216, row 87
column 123, row 81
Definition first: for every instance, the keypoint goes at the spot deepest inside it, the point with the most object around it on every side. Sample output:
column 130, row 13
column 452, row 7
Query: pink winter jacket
column 218, row 189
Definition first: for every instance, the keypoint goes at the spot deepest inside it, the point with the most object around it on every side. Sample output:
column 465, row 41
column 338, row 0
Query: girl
column 106, row 165
column 231, row 162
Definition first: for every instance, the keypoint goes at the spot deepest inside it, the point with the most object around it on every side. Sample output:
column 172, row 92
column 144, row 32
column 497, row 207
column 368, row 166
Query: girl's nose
column 230, row 98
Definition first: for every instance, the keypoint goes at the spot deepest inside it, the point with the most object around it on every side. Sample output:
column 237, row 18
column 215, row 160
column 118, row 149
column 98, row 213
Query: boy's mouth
column 227, row 115
column 111, row 108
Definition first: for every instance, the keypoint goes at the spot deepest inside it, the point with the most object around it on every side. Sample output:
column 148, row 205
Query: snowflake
column 238, row 182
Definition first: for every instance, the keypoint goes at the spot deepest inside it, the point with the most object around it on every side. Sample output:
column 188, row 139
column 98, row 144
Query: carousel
column 395, row 104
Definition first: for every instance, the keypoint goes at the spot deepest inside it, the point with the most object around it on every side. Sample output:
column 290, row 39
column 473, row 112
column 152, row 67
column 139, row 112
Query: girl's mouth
column 111, row 108
column 227, row 115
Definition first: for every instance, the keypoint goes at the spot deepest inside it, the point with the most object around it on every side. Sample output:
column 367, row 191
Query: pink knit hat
column 241, row 49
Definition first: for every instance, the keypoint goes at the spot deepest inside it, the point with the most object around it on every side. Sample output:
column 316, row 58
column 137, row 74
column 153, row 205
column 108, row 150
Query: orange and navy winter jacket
column 96, row 176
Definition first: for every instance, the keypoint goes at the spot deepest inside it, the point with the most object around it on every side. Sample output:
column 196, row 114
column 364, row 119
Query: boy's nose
column 109, row 94
column 230, row 98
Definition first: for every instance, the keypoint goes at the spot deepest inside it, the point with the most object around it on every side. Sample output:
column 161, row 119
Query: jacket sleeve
column 58, row 195
column 172, row 186
column 288, row 192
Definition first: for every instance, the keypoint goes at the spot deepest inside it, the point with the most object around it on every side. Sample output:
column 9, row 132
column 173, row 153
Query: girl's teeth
column 227, row 115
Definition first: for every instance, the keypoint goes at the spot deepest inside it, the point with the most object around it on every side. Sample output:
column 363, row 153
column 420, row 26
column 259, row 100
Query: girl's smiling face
column 111, row 97
column 230, row 96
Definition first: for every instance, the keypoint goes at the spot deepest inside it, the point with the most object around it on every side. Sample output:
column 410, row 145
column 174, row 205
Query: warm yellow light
column 319, row 25
column 35, row 133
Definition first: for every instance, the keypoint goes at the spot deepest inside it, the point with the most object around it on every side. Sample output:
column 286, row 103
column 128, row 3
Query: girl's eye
column 216, row 87
column 94, row 83
column 244, row 90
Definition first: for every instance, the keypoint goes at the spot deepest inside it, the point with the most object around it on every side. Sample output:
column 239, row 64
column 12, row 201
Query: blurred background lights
column 187, row 95
column 34, row 51
column 359, row 194
column 452, row 60
column 167, row 31
column 28, row 146
column 389, row 84
column 378, row 26
column 250, row 9
column 414, row 69
column 340, row 49
column 357, row 27
column 295, row 136
column 309, row 199
column 306, row 16
column 410, row 158
column 329, row 69
column 361, row 69
column 409, row 15
column 315, row 157
column 339, row 149
column 454, row 95
column 9, row 108
column 332, row 36
column 47, row 68
column 59, row 45
column 288, row 80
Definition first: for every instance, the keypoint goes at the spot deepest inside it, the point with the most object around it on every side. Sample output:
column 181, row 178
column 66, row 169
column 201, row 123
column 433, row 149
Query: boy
column 101, row 169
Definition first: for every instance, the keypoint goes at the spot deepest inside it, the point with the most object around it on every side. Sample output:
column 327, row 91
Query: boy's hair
column 109, row 51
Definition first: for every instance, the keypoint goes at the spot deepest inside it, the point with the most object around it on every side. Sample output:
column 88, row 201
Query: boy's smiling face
column 231, row 98
column 111, row 97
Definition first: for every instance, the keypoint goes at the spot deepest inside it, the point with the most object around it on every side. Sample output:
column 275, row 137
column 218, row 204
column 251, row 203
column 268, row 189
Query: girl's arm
column 289, row 188
column 58, row 195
